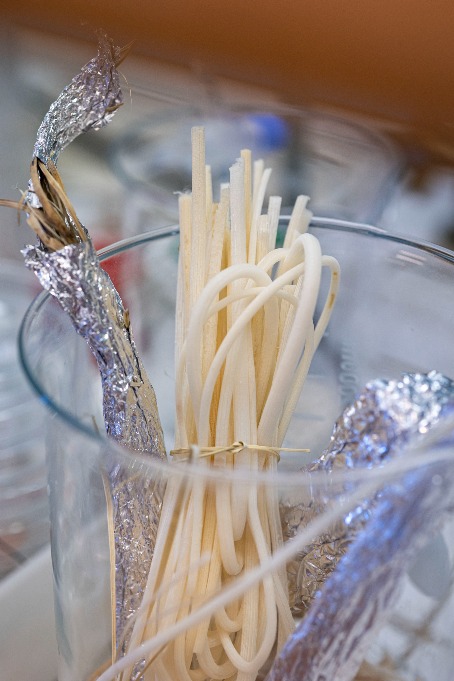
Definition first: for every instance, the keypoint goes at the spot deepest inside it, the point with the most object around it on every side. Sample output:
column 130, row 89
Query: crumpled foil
column 89, row 101
column 369, row 432
column 73, row 275
column 331, row 641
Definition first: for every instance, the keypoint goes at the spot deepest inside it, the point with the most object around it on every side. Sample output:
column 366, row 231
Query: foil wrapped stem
column 88, row 102
column 74, row 276
column 67, row 266
column 371, row 431
column 332, row 639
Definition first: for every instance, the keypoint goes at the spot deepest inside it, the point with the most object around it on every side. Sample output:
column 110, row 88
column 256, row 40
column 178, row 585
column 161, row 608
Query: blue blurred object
column 271, row 131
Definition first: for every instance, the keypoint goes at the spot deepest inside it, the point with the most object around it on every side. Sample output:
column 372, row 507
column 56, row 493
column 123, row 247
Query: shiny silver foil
column 89, row 101
column 368, row 433
column 73, row 275
column 331, row 641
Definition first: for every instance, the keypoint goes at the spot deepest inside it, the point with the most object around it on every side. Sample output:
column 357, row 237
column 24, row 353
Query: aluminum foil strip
column 331, row 641
column 73, row 275
column 369, row 432
column 89, row 101
column 137, row 503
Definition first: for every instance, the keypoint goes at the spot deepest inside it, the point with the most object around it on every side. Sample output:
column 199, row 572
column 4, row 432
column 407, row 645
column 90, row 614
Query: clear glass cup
column 393, row 315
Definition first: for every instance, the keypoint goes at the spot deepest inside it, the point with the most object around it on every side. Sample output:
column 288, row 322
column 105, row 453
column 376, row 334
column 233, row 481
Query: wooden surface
column 386, row 58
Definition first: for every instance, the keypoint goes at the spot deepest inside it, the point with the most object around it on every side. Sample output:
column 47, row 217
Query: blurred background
column 349, row 101
column 373, row 81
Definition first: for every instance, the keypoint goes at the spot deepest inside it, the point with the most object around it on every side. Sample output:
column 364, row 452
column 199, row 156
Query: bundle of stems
column 245, row 337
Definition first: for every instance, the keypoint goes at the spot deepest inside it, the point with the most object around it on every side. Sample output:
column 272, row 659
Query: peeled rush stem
column 198, row 235
column 245, row 340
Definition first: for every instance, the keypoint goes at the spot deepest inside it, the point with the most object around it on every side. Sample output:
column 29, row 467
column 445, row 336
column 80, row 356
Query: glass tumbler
column 394, row 314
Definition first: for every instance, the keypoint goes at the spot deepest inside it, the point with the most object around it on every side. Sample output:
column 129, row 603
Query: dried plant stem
column 54, row 219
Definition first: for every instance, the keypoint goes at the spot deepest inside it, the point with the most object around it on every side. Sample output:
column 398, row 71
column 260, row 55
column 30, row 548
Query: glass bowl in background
column 393, row 314
column 348, row 169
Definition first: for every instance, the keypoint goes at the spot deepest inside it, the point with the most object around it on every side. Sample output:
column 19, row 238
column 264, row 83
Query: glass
column 24, row 525
column 394, row 314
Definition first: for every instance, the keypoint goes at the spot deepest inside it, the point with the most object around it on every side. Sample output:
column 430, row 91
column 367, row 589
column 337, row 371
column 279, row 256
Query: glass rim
column 188, row 468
